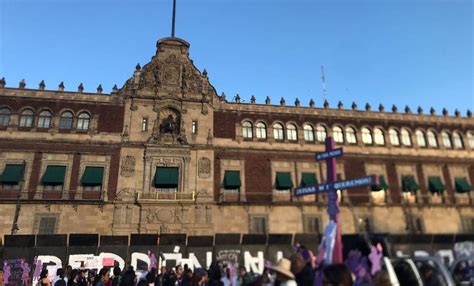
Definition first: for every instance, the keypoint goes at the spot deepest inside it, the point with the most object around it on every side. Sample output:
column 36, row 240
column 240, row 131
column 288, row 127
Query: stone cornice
column 84, row 97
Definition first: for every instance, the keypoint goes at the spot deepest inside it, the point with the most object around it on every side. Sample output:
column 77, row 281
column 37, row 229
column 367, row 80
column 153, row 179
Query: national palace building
column 166, row 153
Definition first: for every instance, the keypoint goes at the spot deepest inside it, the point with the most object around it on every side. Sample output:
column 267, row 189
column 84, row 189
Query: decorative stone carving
column 125, row 193
column 128, row 166
column 204, row 167
column 159, row 215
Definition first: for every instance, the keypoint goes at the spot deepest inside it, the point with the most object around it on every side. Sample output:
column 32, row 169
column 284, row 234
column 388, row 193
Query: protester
column 151, row 276
column 200, row 277
column 179, row 274
column 244, row 278
column 337, row 274
column 43, row 279
column 73, row 279
column 117, row 277
column 430, row 276
column 59, row 276
column 283, row 271
column 128, row 278
column 1, row 278
column 381, row 278
column 187, row 277
column 103, row 277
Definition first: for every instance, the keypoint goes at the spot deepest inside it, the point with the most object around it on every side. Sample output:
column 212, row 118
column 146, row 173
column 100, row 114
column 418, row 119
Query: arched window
column 278, row 131
column 44, row 119
column 406, row 137
column 65, row 122
column 351, row 135
column 5, row 114
column 321, row 133
column 457, row 140
column 432, row 141
column 308, row 133
column 446, row 140
column 337, row 134
column 26, row 118
column 420, row 138
column 291, row 132
column 470, row 138
column 394, row 138
column 366, row 136
column 261, row 129
column 247, row 130
column 378, row 136
column 83, row 121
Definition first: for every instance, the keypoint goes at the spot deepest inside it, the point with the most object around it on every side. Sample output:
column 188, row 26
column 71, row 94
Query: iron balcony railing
column 167, row 196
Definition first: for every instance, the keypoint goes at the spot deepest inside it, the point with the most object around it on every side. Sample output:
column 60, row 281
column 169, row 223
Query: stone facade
column 168, row 115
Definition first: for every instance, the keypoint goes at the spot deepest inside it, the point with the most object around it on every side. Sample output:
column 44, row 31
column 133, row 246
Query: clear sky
column 403, row 52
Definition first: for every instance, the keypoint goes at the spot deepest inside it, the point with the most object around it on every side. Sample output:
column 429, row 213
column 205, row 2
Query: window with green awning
column 232, row 180
column 462, row 186
column 381, row 186
column 92, row 176
column 12, row 174
column 54, row 175
column 435, row 185
column 308, row 179
column 409, row 184
column 283, row 181
column 166, row 177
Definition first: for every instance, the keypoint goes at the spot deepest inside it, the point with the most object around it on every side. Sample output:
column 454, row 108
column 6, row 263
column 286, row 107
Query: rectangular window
column 53, row 178
column 166, row 179
column 468, row 224
column 258, row 224
column 194, row 128
column 312, row 224
column 47, row 225
column 232, row 181
column 418, row 225
column 92, row 178
column 145, row 124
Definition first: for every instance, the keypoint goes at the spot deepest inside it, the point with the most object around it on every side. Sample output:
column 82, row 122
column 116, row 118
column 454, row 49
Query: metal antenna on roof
column 323, row 79
column 173, row 20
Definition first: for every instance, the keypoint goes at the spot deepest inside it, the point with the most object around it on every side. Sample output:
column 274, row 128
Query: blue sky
column 403, row 52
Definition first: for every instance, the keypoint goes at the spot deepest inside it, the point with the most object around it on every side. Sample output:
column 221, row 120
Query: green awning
column 381, row 186
column 308, row 179
column 409, row 184
column 435, row 185
column 12, row 174
column 54, row 175
column 232, row 180
column 93, row 176
column 283, row 181
column 462, row 186
column 166, row 177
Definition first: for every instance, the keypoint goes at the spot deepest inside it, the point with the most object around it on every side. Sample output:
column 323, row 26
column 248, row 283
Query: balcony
column 166, row 197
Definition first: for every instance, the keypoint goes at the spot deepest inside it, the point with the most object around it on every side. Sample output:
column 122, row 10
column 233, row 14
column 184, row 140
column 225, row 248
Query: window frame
column 405, row 136
column 321, row 131
column 339, row 138
column 308, row 133
column 367, row 134
column 63, row 119
column 81, row 121
column 352, row 138
column 447, row 140
column 457, row 140
column 261, row 130
column 44, row 119
column 26, row 120
column 5, row 116
column 278, row 132
column 420, row 134
column 432, row 139
column 378, row 134
column 247, row 130
column 291, row 132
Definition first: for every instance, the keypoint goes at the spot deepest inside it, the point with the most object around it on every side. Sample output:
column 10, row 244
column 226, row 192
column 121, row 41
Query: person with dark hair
column 337, row 275
column 143, row 282
column 73, row 279
column 82, row 280
column 179, row 274
column 404, row 273
column 151, row 276
column 244, row 278
column 43, row 279
column 59, row 276
column 381, row 278
column 128, row 278
column 215, row 275
column 200, row 277
column 187, row 277
column 116, row 279
column 103, row 277
column 430, row 276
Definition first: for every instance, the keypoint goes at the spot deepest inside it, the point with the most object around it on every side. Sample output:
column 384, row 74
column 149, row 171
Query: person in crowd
column 59, row 276
column 159, row 278
column 405, row 274
column 179, row 274
column 43, row 279
column 128, row 278
column 151, row 276
column 200, row 277
column 187, row 277
column 169, row 278
column 2, row 283
column 215, row 275
column 430, row 276
column 143, row 282
column 103, row 277
column 244, row 278
column 381, row 278
column 117, row 277
column 284, row 276
column 73, row 279
column 337, row 274
column 302, row 266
